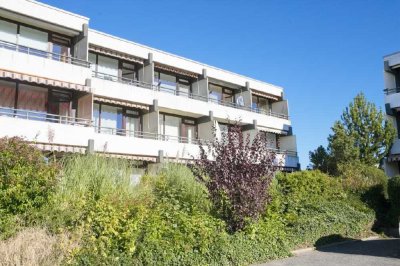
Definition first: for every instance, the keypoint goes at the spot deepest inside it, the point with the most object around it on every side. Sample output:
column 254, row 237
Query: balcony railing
column 44, row 54
column 391, row 91
column 147, row 135
column 158, row 86
column 43, row 116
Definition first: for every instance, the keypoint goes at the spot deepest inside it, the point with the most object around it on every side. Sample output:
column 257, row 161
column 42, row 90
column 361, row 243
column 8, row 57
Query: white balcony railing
column 43, row 116
column 44, row 54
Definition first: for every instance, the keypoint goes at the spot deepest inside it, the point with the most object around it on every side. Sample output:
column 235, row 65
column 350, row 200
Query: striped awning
column 128, row 156
column 122, row 103
column 264, row 94
column 53, row 147
column 394, row 158
column 176, row 70
column 272, row 130
column 42, row 80
column 105, row 51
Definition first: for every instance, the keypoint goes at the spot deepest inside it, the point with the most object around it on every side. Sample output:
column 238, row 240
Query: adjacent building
column 392, row 106
column 67, row 88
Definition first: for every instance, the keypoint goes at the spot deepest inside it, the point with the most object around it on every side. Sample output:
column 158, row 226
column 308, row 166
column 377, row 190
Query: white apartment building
column 67, row 88
column 392, row 106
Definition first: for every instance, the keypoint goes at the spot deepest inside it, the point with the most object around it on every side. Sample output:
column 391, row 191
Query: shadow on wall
column 389, row 248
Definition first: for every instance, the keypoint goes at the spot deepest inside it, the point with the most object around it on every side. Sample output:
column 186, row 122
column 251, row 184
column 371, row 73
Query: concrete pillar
column 250, row 130
column 90, row 147
column 150, row 119
column 146, row 73
column 245, row 93
column 81, row 44
column 205, row 126
column 200, row 87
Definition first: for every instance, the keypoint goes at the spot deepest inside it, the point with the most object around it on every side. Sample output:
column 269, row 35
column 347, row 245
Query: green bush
column 313, row 205
column 27, row 182
column 394, row 199
column 370, row 185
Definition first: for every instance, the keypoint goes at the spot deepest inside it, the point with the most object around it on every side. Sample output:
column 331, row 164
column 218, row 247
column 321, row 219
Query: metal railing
column 44, row 54
column 284, row 152
column 158, row 86
column 391, row 90
column 43, row 116
column 147, row 135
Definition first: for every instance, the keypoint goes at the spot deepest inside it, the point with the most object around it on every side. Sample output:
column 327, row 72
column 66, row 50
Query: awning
column 272, row 130
column 122, row 103
column 41, row 80
column 116, row 54
column 176, row 70
column 394, row 158
column 264, row 94
column 53, row 147
column 128, row 156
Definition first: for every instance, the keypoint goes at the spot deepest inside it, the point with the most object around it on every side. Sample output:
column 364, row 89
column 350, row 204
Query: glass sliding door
column 188, row 131
column 60, row 48
column 132, row 123
column 184, row 87
column 261, row 104
column 128, row 71
column 111, row 119
column 169, row 127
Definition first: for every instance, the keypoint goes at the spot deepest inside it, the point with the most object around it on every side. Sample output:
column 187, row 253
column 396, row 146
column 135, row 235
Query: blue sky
column 322, row 52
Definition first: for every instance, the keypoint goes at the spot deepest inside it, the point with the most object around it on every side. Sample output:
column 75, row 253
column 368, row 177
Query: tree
column 319, row 159
column 238, row 175
column 363, row 133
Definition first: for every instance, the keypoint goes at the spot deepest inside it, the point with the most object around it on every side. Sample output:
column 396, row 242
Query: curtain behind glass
column 107, row 65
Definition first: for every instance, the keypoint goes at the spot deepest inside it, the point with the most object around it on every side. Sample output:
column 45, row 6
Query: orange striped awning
column 128, row 156
column 120, row 55
column 266, row 95
column 122, row 103
column 54, row 147
column 176, row 70
column 42, row 80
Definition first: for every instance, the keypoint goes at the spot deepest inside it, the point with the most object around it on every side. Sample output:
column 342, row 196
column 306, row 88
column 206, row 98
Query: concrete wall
column 200, row 87
column 280, row 107
column 288, row 143
column 43, row 67
column 45, row 12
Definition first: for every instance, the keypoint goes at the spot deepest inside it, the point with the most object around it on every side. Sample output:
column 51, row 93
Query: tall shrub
column 240, row 173
column 394, row 199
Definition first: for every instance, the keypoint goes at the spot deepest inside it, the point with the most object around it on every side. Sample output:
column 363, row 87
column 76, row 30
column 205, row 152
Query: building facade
column 68, row 88
column 392, row 106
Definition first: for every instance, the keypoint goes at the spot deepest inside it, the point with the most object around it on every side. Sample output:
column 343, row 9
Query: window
column 107, row 65
column 177, row 127
column 221, row 94
column 116, row 120
column 184, row 87
column 60, row 48
column 270, row 139
column 93, row 61
column 128, row 71
column 8, row 31
column 166, row 82
column 261, row 104
column 33, row 38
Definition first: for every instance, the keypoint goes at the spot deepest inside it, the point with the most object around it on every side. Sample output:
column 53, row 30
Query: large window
column 221, row 94
column 177, row 127
column 261, row 104
column 110, row 68
column 8, row 31
column 39, row 41
column 116, row 120
column 271, row 139
column 172, row 83
column 7, row 97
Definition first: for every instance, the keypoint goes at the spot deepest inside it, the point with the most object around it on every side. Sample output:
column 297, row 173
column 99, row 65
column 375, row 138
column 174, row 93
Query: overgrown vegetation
column 89, row 212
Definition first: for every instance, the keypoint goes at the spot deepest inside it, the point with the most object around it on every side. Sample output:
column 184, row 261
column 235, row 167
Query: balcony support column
column 146, row 73
column 205, row 126
column 150, row 119
column 244, row 93
column 200, row 87
column 250, row 130
column 81, row 44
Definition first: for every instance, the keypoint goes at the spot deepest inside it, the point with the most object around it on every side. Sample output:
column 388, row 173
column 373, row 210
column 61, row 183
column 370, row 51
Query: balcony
column 193, row 105
column 25, row 60
column 392, row 97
